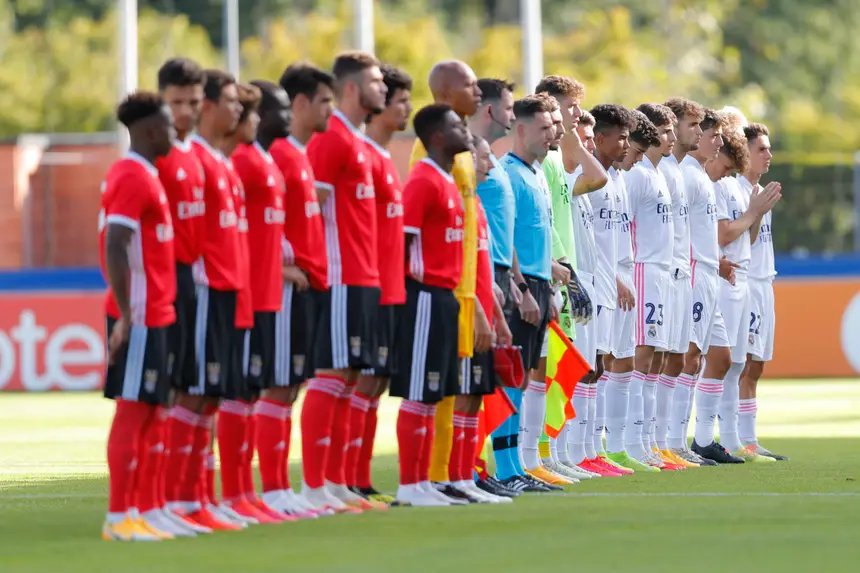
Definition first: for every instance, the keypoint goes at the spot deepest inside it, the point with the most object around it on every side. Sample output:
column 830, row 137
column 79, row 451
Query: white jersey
column 583, row 228
column 762, row 266
column 604, row 206
column 671, row 170
column 701, row 194
column 651, row 211
column 625, row 239
column 732, row 202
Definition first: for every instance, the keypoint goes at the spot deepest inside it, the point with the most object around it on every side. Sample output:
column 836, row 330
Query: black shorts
column 237, row 386
column 346, row 338
column 387, row 330
column 502, row 276
column 526, row 335
column 478, row 374
column 180, row 335
column 427, row 345
column 214, row 344
column 139, row 373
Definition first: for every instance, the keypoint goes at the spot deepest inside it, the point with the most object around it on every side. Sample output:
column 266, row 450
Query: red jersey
column 264, row 208
column 244, row 298
column 389, row 224
column 134, row 197
column 484, row 278
column 182, row 176
column 219, row 267
column 341, row 166
column 303, row 226
column 433, row 212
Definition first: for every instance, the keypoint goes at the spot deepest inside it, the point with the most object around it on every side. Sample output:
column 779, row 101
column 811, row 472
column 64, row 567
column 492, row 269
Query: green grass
column 796, row 516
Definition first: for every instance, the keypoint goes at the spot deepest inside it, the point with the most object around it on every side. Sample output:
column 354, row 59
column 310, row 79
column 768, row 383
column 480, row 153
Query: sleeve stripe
column 324, row 186
column 412, row 230
column 132, row 224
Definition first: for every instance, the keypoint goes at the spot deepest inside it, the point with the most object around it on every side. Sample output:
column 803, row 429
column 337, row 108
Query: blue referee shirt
column 498, row 198
column 533, row 219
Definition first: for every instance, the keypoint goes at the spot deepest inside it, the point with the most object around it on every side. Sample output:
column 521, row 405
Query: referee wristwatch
column 523, row 286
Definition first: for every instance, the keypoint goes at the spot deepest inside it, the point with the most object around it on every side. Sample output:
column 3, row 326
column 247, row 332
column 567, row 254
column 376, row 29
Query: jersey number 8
column 697, row 311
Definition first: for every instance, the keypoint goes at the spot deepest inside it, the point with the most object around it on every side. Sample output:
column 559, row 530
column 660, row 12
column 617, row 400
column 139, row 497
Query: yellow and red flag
column 565, row 367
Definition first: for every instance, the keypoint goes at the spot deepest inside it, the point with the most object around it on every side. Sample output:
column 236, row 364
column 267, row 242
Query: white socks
column 560, row 448
column 663, row 406
column 532, row 419
column 728, row 409
column 746, row 421
column 578, row 427
column 648, row 391
column 708, row 394
column 617, row 390
column 633, row 430
column 679, row 415
column 600, row 413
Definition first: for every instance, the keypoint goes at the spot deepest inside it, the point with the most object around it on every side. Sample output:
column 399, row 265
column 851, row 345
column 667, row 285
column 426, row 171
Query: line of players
column 286, row 225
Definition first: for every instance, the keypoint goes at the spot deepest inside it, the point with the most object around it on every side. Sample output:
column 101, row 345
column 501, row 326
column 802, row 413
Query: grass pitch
column 797, row 516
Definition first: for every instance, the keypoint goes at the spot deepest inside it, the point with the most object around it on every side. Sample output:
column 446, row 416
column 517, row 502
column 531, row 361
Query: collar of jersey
column 522, row 161
column 297, row 144
column 212, row 151
column 695, row 162
column 140, row 159
column 184, row 145
column 355, row 131
column 382, row 151
column 263, row 153
column 448, row 177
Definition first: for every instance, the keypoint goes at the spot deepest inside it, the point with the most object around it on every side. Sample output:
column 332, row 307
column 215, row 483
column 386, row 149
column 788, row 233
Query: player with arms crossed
column 304, row 269
column 453, row 82
column 180, row 84
column 433, row 217
column 346, row 337
column 674, row 392
column 137, row 260
column 389, row 224
column 761, row 274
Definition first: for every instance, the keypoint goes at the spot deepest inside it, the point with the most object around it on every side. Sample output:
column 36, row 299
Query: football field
column 801, row 515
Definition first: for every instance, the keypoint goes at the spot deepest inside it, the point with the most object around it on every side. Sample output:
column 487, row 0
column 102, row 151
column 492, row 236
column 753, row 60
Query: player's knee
column 718, row 363
column 755, row 370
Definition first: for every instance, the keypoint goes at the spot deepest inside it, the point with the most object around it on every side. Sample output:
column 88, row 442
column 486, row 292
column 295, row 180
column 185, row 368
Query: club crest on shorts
column 213, row 372
column 298, row 364
column 752, row 339
column 382, row 356
column 477, row 371
column 256, row 367
column 171, row 359
column 150, row 379
column 355, row 346
column 652, row 331
column 433, row 381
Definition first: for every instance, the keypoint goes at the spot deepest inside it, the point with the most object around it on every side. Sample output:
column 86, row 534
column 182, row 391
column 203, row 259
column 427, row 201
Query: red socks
column 427, row 446
column 150, row 463
column 180, row 429
column 480, row 463
column 357, row 417
column 463, row 446
column 248, row 446
column 272, row 420
column 335, row 468
column 317, row 415
column 411, row 435
column 362, row 474
column 470, row 422
column 232, row 426
column 130, row 424
column 196, row 484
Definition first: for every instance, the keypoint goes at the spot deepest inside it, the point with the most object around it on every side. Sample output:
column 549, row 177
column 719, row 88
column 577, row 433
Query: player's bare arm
column 529, row 309
column 296, row 277
column 727, row 270
column 484, row 335
column 560, row 273
column 117, row 239
column 626, row 300
column 760, row 203
column 593, row 175
column 756, row 227
column 503, row 331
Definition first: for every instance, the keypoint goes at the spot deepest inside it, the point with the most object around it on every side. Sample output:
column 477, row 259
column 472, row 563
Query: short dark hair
column 712, row 118
column 609, row 115
column 645, row 133
column 180, row 72
column 267, row 94
column 493, row 88
column 249, row 97
column 685, row 107
column 395, row 79
column 305, row 79
column 428, row 121
column 658, row 113
column 550, row 101
column 137, row 106
column 755, row 130
column 529, row 106
column 561, row 86
column 216, row 81
column 351, row 63
column 586, row 118
column 735, row 147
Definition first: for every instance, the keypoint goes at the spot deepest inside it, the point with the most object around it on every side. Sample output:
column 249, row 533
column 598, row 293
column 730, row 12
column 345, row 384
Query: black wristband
column 523, row 286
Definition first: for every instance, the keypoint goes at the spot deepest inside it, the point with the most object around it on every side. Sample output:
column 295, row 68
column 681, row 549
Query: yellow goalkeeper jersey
column 464, row 175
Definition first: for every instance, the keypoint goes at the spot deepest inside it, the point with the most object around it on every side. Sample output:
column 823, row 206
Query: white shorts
column 679, row 316
column 603, row 329
column 652, row 302
column 762, row 320
column 624, row 322
column 708, row 327
column 735, row 307
column 586, row 334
